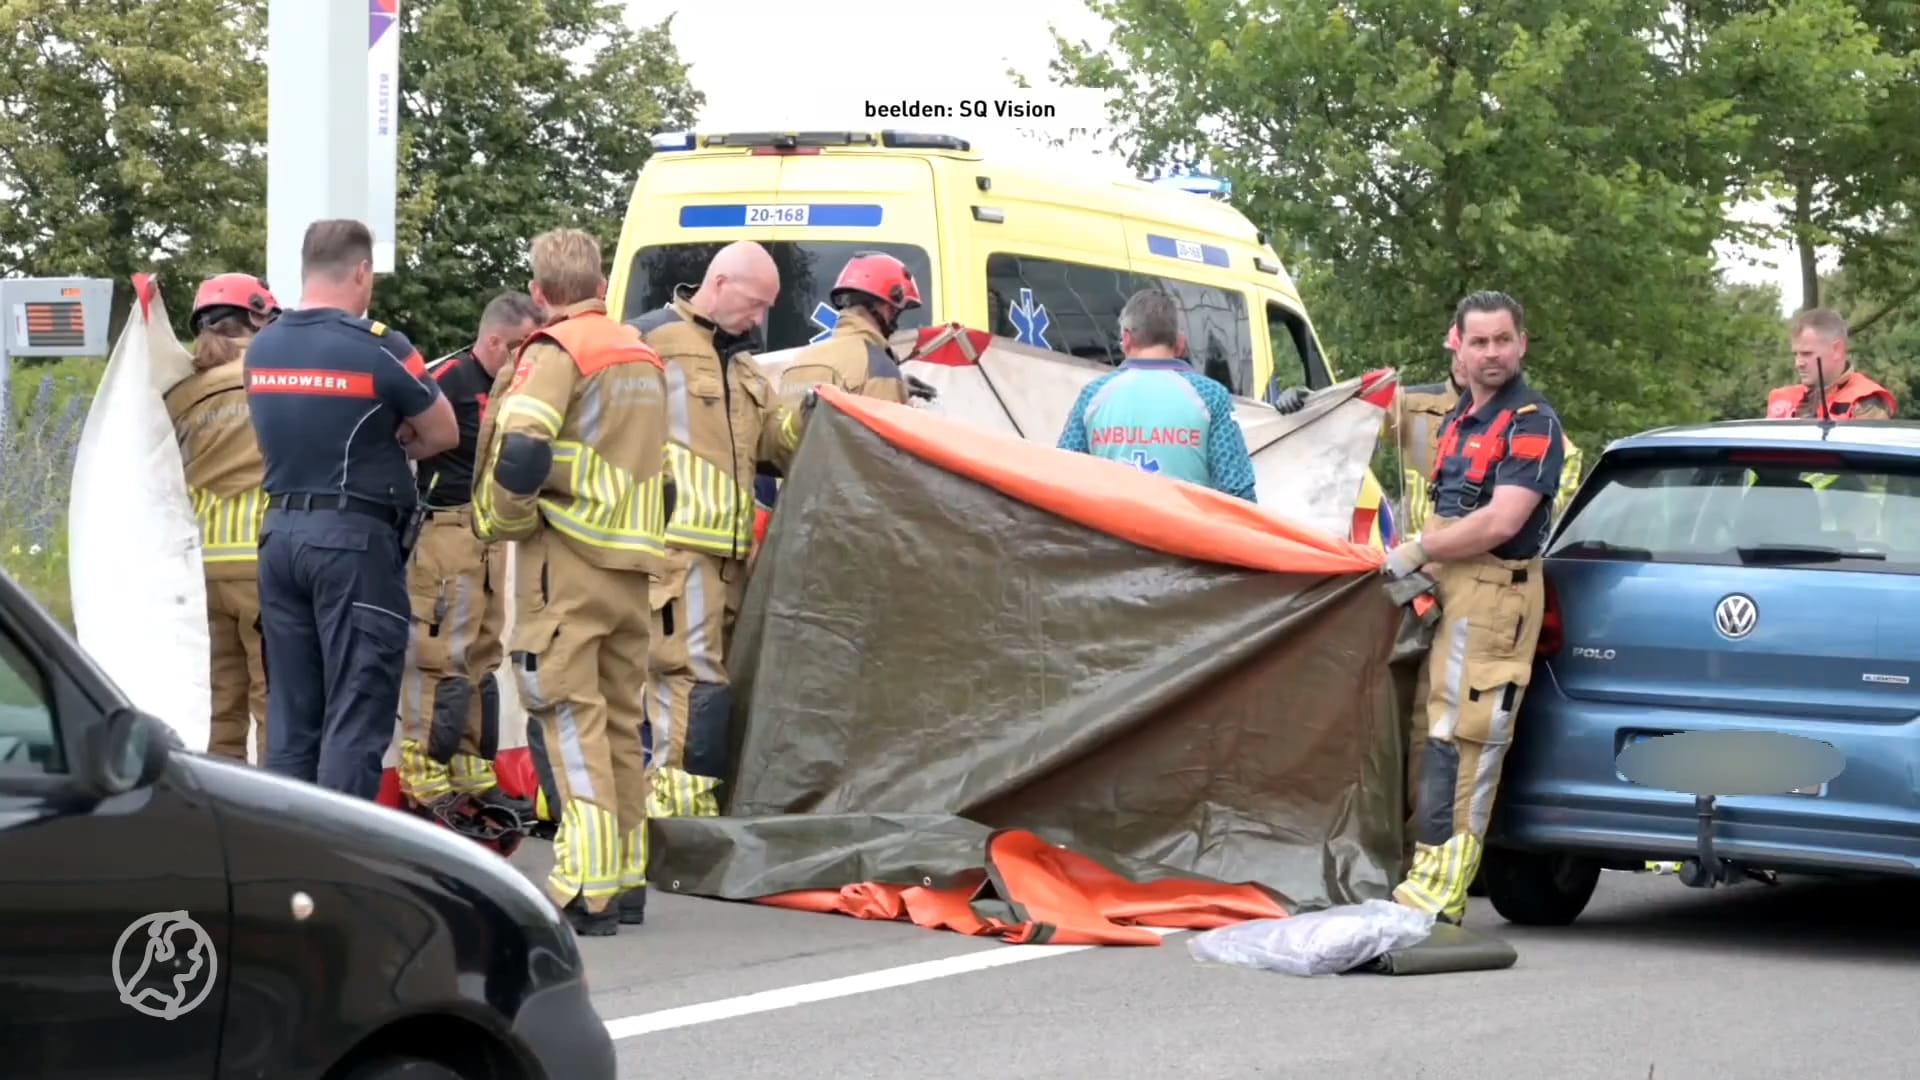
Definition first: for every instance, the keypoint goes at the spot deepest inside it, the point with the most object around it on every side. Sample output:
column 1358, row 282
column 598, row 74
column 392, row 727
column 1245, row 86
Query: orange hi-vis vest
column 1851, row 389
column 597, row 342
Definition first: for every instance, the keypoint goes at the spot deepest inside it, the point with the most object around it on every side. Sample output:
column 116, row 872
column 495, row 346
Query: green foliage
column 501, row 139
column 134, row 139
column 1581, row 154
column 39, row 434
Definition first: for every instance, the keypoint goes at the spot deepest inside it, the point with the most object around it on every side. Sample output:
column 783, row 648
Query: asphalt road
column 1808, row 979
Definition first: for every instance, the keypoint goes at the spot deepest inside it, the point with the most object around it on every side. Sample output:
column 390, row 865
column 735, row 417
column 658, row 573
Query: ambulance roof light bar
column 789, row 142
column 1215, row 187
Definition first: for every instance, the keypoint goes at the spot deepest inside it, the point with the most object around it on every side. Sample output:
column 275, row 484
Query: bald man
column 724, row 427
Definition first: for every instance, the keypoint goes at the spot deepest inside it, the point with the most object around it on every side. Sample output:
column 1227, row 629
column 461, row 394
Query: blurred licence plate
column 1811, row 789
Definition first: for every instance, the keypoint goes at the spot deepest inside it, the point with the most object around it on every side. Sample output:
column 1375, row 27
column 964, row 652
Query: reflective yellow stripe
column 488, row 523
column 711, row 512
column 229, row 527
column 608, row 508
column 539, row 411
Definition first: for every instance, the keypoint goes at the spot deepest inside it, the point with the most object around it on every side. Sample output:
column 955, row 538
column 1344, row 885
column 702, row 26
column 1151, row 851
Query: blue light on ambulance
column 1218, row 187
column 673, row 140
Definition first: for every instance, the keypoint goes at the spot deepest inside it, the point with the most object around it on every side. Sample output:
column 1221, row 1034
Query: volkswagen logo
column 1735, row 616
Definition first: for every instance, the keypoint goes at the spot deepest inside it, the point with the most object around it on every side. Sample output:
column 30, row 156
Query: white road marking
column 785, row 997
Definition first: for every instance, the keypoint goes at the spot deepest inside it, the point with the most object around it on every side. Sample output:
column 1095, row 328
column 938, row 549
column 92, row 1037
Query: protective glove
column 917, row 388
column 1291, row 400
column 1405, row 559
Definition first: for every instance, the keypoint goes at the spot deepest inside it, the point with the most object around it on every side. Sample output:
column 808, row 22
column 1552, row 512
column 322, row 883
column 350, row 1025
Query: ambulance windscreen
column 807, row 272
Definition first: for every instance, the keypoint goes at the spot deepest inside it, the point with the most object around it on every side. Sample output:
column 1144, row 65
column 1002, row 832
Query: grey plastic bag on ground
column 1327, row 942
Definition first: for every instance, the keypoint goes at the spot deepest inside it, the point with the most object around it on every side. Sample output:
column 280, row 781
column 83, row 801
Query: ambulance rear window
column 807, row 271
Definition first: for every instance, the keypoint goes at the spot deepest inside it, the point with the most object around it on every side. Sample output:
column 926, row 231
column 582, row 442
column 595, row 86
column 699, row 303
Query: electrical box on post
column 56, row 316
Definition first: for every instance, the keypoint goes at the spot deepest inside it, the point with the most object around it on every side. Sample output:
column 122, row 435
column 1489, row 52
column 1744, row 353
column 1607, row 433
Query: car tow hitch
column 1706, row 869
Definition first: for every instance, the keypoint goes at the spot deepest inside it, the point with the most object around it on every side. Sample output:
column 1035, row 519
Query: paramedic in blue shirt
column 1155, row 412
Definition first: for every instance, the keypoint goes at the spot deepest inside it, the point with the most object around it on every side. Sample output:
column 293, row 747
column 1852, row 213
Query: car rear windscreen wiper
column 1601, row 547
column 1797, row 553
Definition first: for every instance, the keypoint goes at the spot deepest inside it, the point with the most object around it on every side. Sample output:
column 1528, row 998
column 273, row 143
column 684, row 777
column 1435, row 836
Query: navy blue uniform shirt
column 1529, row 450
column 328, row 391
column 447, row 479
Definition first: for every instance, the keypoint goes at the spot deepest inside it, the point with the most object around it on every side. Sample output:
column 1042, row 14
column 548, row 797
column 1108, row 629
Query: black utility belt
column 352, row 504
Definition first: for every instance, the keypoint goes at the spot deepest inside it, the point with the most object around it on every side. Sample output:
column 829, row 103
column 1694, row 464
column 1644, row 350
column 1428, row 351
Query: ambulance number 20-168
column 778, row 214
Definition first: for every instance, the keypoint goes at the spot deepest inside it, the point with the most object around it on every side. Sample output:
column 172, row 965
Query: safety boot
column 633, row 906
column 587, row 924
column 494, row 798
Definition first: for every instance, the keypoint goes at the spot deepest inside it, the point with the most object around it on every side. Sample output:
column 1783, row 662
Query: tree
column 1823, row 103
column 1403, row 153
column 502, row 137
column 132, row 138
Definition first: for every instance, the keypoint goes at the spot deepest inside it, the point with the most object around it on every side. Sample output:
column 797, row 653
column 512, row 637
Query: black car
column 165, row 914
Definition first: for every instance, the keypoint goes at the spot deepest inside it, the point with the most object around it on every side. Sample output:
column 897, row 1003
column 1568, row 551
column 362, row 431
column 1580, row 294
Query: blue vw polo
column 1757, row 575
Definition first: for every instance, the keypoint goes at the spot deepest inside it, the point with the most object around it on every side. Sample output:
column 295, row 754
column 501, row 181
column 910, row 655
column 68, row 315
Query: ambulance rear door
column 812, row 210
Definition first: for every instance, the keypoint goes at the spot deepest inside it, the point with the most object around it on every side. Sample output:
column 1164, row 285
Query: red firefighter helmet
column 243, row 291
column 880, row 276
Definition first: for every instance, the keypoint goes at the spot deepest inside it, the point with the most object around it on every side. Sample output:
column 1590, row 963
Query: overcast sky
column 842, row 56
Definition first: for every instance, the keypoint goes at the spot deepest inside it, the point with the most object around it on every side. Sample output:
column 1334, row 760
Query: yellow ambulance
column 1040, row 255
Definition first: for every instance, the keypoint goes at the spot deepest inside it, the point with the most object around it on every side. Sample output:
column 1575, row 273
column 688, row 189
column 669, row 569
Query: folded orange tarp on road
column 1060, row 898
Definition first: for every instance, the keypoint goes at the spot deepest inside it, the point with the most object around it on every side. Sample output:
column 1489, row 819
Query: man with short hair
column 338, row 402
column 572, row 469
column 1820, row 356
column 1156, row 413
column 1495, row 473
column 725, row 427
column 449, row 701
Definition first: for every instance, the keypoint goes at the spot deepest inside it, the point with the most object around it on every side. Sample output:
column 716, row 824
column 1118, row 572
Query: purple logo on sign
column 380, row 15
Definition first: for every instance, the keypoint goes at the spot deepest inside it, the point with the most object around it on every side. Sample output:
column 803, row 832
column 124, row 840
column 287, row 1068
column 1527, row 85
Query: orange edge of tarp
column 1058, row 897
column 1173, row 517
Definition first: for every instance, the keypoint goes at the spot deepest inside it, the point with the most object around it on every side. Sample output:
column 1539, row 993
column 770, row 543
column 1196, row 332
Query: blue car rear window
column 1841, row 515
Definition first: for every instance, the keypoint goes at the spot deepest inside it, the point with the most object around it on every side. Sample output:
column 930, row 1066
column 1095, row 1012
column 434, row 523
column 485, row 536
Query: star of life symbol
column 164, row 965
column 1030, row 320
column 1144, row 463
column 826, row 319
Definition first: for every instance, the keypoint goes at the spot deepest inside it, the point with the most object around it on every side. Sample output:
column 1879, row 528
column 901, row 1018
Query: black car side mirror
column 129, row 751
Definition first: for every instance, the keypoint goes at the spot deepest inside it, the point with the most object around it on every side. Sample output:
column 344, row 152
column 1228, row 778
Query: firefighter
column 1418, row 428
column 1820, row 356
column 872, row 292
column 572, row 468
column 449, row 699
column 339, row 403
column 209, row 413
column 725, row 428
column 1496, row 471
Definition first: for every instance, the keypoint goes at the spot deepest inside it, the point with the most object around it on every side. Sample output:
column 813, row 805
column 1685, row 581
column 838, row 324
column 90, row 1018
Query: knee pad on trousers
column 489, row 716
column 709, row 729
column 450, row 700
column 1439, row 774
column 542, row 768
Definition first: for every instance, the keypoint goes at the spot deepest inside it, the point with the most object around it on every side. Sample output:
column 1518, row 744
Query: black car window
column 808, row 269
column 1296, row 357
column 29, row 737
column 1074, row 308
column 1833, row 515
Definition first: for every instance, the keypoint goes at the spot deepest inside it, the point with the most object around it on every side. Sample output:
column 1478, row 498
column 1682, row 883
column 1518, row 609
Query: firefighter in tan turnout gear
column 871, row 293
column 724, row 427
column 571, row 469
column 1495, row 474
column 224, row 474
column 449, row 697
